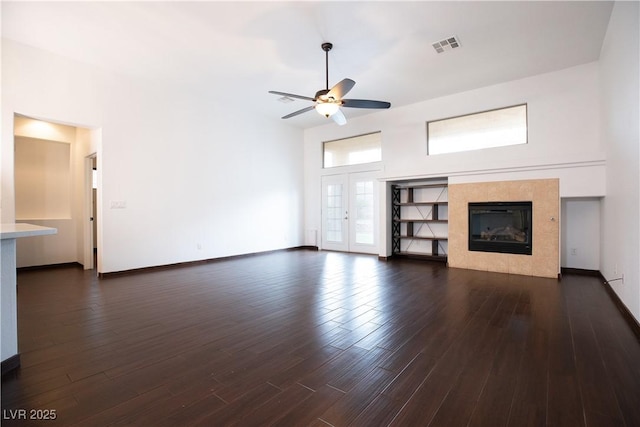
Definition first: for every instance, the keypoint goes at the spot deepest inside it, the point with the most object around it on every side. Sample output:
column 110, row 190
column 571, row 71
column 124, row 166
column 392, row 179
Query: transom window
column 353, row 151
column 494, row 128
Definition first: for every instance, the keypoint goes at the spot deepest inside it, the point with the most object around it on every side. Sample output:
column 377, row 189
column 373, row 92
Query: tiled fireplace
column 501, row 239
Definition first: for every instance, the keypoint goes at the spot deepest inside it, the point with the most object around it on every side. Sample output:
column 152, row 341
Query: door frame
column 88, row 214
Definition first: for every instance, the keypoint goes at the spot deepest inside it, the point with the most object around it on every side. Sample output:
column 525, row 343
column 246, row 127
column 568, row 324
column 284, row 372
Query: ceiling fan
column 327, row 102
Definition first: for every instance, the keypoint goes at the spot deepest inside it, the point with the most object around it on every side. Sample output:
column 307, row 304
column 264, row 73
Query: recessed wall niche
column 42, row 179
column 49, row 178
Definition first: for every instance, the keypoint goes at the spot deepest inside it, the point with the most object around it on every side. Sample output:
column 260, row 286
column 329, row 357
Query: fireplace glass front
column 504, row 227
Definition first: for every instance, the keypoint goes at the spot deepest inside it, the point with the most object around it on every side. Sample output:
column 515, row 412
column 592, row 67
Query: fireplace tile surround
column 545, row 195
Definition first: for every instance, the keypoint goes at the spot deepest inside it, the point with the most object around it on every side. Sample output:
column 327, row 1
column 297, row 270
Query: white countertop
column 14, row 231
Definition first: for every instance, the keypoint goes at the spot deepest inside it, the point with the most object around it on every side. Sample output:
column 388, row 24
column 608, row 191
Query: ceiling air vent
column 446, row 44
column 285, row 99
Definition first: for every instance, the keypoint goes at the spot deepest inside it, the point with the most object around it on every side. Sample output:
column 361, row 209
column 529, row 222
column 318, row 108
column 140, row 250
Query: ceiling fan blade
column 291, row 95
column 295, row 113
column 364, row 103
column 341, row 89
column 339, row 117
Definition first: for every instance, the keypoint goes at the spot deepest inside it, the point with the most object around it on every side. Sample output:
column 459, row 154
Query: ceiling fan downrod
column 327, row 47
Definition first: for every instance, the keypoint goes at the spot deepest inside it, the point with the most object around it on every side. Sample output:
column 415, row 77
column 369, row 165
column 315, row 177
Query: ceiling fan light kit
column 327, row 109
column 327, row 102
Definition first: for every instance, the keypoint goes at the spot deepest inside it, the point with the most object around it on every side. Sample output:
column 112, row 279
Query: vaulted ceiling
column 235, row 52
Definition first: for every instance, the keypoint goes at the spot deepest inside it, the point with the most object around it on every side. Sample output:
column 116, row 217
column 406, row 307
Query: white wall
column 620, row 71
column 199, row 179
column 580, row 239
column 563, row 138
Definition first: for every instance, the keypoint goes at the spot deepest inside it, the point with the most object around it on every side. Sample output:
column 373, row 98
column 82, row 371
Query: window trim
column 526, row 118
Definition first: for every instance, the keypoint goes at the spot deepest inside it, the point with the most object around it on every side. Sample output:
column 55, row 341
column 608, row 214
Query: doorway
column 91, row 212
column 350, row 219
column 50, row 190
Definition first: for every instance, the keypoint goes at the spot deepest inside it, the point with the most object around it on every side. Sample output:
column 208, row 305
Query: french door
column 350, row 212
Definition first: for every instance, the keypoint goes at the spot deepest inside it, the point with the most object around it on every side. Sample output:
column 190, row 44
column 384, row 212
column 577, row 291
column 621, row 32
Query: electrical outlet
column 574, row 251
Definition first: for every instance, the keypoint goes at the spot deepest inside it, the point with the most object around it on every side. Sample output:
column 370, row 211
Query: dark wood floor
column 317, row 338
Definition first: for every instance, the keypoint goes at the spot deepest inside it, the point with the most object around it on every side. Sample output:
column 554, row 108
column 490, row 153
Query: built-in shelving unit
column 419, row 215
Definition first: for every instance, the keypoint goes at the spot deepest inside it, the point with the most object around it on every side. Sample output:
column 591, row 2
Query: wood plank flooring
column 303, row 338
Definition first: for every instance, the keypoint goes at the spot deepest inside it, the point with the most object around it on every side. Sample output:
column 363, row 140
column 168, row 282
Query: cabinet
column 419, row 215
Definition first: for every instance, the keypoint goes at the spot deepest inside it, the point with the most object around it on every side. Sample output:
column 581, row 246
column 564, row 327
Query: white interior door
column 350, row 213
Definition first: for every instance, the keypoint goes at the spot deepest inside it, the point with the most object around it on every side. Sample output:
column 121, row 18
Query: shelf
column 443, row 221
column 418, row 255
column 421, row 203
column 405, row 196
column 420, row 238
column 408, row 187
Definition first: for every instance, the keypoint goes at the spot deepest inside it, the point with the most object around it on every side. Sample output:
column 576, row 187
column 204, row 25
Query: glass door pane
column 334, row 213
column 363, row 218
column 363, row 213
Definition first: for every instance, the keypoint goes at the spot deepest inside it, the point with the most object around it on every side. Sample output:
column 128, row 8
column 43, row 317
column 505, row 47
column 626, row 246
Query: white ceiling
column 236, row 51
